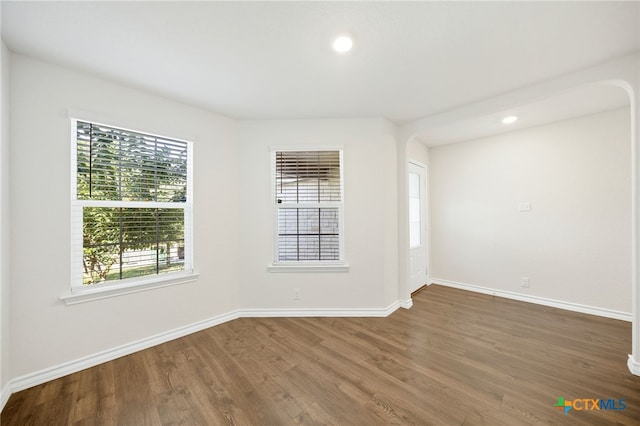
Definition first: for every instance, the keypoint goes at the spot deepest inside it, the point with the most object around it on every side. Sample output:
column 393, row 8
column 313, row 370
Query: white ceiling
column 562, row 106
column 272, row 60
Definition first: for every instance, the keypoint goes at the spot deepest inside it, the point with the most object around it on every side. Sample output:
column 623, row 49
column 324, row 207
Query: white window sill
column 308, row 267
column 104, row 291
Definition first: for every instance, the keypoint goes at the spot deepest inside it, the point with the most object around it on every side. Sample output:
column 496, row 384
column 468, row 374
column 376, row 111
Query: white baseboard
column 55, row 372
column 365, row 312
column 51, row 373
column 569, row 306
column 634, row 366
column 4, row 397
column 406, row 304
column 299, row 313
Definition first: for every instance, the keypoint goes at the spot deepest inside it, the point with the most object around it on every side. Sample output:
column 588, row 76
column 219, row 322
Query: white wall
column 575, row 244
column 417, row 151
column 370, row 216
column 232, row 218
column 4, row 221
column 50, row 332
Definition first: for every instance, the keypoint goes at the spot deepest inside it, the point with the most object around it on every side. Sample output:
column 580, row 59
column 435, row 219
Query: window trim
column 307, row 267
column 128, row 286
column 276, row 265
column 83, row 293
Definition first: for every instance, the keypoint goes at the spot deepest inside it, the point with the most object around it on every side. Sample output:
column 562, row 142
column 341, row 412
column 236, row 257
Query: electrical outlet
column 296, row 294
column 524, row 282
column 524, row 206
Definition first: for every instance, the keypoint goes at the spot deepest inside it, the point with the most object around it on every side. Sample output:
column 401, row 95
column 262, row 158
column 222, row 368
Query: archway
column 621, row 74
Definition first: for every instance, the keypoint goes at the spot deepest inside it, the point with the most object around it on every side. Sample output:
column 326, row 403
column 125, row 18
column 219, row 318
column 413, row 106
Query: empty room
column 275, row 213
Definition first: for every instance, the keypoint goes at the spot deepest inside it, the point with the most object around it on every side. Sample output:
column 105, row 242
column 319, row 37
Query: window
column 415, row 213
column 308, row 203
column 131, row 205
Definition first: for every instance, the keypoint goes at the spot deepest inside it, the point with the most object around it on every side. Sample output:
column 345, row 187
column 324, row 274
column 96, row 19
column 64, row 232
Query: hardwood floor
column 455, row 358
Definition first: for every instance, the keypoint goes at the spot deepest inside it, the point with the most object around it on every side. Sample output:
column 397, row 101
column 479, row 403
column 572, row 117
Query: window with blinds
column 308, row 199
column 132, row 204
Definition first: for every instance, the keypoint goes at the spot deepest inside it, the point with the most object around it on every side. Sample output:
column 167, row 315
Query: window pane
column 121, row 165
column 414, row 209
column 329, row 221
column 306, row 234
column 307, row 176
column 414, row 185
column 415, row 215
column 120, row 243
column 309, row 247
column 330, row 247
column 288, row 221
column 288, row 248
column 309, row 221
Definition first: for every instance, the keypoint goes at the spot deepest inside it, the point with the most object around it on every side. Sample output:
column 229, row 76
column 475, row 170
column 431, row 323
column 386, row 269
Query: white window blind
column 308, row 196
column 131, row 204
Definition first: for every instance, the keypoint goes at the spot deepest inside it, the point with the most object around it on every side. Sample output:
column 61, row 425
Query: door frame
column 424, row 210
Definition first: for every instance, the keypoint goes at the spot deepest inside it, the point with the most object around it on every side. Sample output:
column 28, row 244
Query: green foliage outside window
column 123, row 166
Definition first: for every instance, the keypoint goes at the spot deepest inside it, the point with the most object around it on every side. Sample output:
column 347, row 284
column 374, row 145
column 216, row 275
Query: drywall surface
column 370, row 188
column 417, row 152
column 51, row 332
column 574, row 244
column 4, row 221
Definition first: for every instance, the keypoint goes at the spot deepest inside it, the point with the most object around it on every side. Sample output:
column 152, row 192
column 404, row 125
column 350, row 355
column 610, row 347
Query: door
column 417, row 227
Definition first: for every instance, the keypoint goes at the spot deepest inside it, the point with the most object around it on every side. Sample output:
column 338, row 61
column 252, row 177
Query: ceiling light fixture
column 510, row 119
column 342, row 43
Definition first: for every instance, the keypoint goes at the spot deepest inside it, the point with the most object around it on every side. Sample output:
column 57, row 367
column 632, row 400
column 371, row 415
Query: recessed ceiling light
column 509, row 119
column 342, row 43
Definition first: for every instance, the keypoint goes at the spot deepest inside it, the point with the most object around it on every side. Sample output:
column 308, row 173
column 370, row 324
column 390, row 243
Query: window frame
column 80, row 292
column 276, row 265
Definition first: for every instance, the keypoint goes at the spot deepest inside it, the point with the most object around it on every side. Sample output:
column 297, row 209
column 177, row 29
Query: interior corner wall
column 4, row 220
column 51, row 333
column 417, row 151
column 574, row 244
column 370, row 186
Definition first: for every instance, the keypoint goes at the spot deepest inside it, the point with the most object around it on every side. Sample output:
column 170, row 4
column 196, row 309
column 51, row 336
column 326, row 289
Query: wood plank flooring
column 455, row 358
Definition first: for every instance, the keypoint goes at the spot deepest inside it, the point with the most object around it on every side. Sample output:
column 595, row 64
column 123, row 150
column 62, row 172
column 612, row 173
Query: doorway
column 417, row 226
